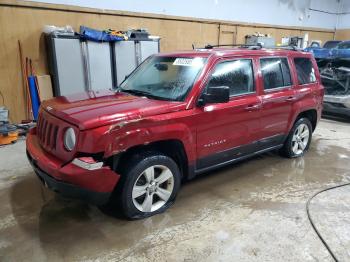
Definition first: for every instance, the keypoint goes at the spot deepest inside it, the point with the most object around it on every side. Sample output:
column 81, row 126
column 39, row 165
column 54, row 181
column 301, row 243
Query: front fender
column 128, row 134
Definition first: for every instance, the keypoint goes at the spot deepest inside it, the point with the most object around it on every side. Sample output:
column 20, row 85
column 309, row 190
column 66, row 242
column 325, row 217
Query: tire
column 135, row 180
column 298, row 142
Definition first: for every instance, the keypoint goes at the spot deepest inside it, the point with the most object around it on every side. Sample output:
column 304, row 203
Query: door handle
column 252, row 107
column 290, row 99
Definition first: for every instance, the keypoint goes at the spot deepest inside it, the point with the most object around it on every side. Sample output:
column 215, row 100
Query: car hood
column 93, row 109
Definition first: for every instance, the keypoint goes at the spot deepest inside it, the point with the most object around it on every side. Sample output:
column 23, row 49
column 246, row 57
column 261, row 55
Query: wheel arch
column 310, row 114
column 174, row 148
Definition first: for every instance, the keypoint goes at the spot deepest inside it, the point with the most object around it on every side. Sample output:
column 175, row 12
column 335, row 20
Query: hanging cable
column 312, row 222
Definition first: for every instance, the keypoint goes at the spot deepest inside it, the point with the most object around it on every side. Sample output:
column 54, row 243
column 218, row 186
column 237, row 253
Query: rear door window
column 305, row 70
column 275, row 72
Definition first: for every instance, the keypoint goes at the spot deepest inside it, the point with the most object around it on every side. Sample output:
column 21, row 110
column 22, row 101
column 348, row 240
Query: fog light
column 87, row 163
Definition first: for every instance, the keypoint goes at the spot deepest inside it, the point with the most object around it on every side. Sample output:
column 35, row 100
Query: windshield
column 344, row 45
column 331, row 44
column 167, row 78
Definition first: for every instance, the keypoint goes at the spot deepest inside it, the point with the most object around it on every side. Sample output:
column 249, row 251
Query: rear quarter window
column 305, row 70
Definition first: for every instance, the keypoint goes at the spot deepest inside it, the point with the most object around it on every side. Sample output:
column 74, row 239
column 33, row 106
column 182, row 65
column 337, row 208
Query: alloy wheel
column 300, row 139
column 153, row 188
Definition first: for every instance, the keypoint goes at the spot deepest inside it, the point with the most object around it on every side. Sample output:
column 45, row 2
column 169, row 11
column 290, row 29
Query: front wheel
column 299, row 139
column 149, row 185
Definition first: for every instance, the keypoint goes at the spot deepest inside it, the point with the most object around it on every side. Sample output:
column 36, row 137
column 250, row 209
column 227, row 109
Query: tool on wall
column 25, row 82
column 33, row 88
column 30, row 86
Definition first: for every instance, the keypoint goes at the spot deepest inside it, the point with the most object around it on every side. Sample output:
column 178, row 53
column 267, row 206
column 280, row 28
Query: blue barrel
column 34, row 96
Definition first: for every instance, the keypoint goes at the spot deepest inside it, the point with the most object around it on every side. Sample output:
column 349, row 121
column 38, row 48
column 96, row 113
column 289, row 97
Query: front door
column 224, row 130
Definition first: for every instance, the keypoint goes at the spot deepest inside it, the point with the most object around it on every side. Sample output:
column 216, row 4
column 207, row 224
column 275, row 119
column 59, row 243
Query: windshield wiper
column 141, row 93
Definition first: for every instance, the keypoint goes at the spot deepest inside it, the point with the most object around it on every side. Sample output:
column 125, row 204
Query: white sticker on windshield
column 183, row 62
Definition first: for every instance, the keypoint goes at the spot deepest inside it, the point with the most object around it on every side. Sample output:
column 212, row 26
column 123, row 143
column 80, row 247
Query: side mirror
column 215, row 94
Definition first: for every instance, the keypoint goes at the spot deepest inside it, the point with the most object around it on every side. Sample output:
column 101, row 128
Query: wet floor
column 251, row 211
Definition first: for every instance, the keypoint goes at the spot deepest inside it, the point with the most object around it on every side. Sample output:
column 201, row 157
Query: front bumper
column 335, row 109
column 69, row 180
column 337, row 105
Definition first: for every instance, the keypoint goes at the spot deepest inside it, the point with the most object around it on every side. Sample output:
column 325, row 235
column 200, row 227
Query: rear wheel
column 149, row 185
column 299, row 139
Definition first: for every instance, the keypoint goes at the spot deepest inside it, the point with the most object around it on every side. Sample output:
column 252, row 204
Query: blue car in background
column 341, row 51
column 324, row 52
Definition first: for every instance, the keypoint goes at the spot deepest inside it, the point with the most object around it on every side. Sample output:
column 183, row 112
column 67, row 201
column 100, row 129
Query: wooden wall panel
column 342, row 34
column 279, row 33
column 26, row 23
column 323, row 36
column 227, row 34
column 242, row 31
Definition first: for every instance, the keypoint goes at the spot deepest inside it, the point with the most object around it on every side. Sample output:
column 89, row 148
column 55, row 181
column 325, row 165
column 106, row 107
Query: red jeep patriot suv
column 175, row 116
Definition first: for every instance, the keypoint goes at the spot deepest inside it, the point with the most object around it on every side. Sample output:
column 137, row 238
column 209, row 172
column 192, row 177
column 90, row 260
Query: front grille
column 50, row 130
column 47, row 133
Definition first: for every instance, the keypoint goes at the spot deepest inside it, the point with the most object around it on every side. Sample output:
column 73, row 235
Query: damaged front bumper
column 337, row 105
column 69, row 179
column 335, row 75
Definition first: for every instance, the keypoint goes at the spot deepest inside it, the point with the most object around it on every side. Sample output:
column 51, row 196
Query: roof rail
column 255, row 47
column 285, row 47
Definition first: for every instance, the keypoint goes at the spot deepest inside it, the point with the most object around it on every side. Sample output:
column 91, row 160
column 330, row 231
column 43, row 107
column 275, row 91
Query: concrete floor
column 252, row 211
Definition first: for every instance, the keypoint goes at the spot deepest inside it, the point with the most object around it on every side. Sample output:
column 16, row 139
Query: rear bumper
column 68, row 179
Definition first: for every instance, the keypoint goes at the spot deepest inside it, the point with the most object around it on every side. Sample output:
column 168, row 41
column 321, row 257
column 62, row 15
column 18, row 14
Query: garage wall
column 276, row 12
column 343, row 21
column 24, row 22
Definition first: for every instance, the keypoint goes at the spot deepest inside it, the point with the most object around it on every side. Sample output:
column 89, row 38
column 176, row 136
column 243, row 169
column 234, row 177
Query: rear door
column 308, row 86
column 224, row 130
column 278, row 96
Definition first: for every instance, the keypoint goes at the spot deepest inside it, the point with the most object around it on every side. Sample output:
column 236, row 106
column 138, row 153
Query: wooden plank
column 227, row 34
column 44, row 87
column 342, row 34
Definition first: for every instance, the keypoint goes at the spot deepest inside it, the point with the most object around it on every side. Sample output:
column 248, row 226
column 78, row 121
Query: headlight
column 69, row 139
